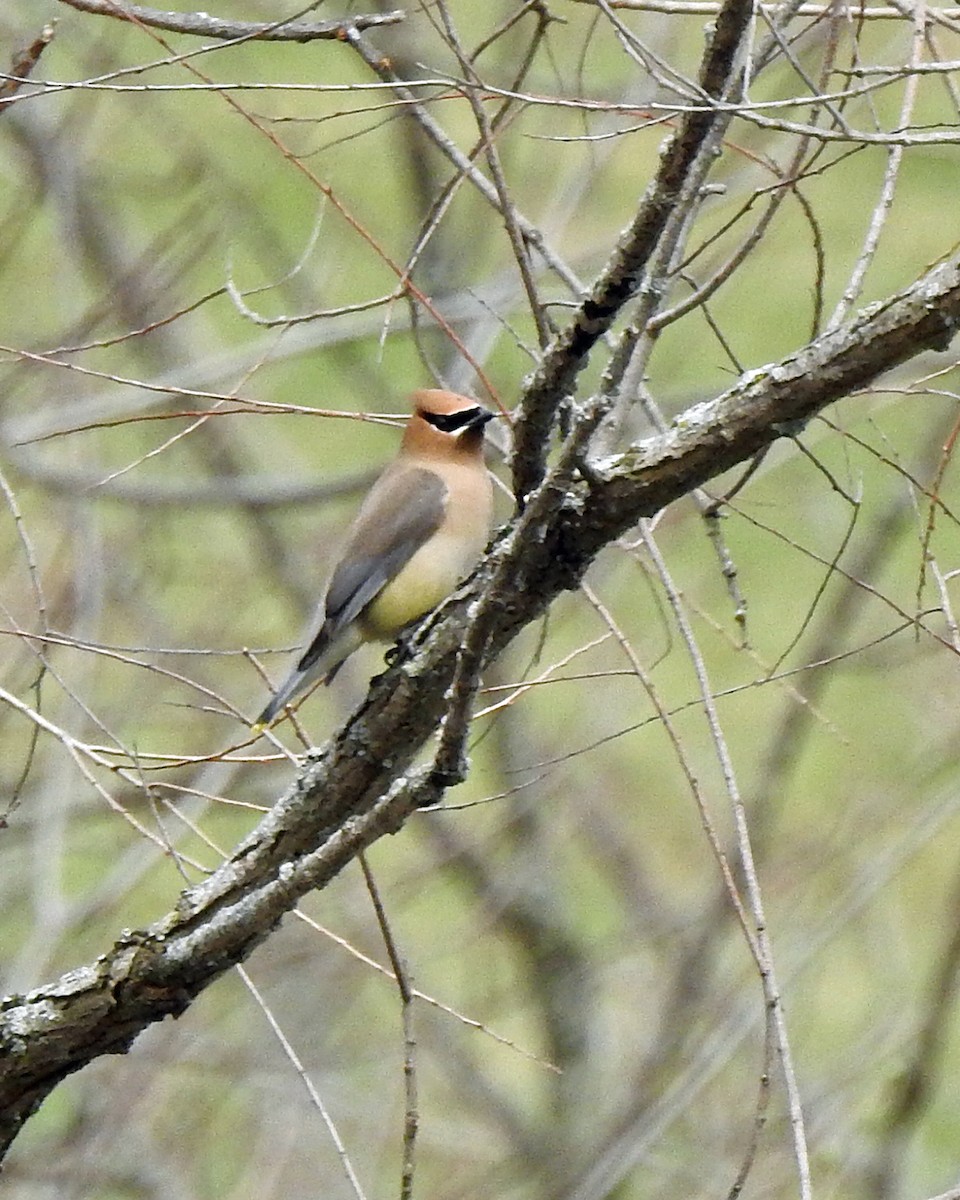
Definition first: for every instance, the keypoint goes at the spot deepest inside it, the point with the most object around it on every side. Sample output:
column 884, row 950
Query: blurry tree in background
column 690, row 924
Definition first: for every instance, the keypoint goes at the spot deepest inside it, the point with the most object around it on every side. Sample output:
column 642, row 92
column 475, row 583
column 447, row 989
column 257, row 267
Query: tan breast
column 446, row 558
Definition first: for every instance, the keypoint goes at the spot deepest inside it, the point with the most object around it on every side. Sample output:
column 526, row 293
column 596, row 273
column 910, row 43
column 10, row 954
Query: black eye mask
column 467, row 418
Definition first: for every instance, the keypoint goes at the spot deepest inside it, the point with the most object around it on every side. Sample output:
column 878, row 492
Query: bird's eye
column 453, row 422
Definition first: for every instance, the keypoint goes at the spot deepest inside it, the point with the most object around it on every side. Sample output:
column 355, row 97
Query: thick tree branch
column 776, row 400
column 360, row 786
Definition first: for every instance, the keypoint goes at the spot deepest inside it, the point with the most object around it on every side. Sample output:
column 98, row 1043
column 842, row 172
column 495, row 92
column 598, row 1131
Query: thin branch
column 382, row 68
column 881, row 210
column 710, row 8
column 201, row 24
column 23, row 63
column 315, row 1098
column 411, row 1115
column 506, row 205
column 759, row 942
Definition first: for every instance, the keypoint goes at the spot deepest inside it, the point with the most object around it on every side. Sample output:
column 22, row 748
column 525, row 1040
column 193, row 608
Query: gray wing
column 409, row 507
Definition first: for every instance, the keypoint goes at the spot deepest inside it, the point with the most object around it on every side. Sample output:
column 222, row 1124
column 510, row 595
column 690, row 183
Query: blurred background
column 205, row 349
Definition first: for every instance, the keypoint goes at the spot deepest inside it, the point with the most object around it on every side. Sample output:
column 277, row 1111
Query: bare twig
column 710, row 8
column 759, row 936
column 521, row 251
column 411, row 1115
column 315, row 1097
column 881, row 209
column 383, row 69
column 201, row 24
column 23, row 63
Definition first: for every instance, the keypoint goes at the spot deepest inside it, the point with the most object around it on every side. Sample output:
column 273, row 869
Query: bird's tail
column 290, row 688
column 316, row 665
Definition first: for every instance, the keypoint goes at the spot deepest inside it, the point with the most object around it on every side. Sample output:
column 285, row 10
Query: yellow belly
column 429, row 577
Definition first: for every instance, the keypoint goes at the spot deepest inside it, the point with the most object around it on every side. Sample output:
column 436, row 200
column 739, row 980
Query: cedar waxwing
column 419, row 531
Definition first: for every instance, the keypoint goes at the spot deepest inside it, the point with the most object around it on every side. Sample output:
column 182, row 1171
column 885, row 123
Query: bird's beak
column 482, row 417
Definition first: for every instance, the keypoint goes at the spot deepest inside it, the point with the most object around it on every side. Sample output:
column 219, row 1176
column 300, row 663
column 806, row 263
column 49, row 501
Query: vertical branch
column 771, row 991
column 881, row 209
column 506, row 205
column 567, row 354
column 411, row 1119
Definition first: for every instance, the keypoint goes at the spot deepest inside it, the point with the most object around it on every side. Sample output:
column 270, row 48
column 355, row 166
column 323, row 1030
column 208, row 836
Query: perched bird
column 419, row 531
